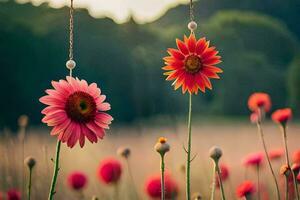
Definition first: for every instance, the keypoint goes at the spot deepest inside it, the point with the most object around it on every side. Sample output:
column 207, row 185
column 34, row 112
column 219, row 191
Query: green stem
column 55, row 172
column 29, row 183
column 288, row 160
column 188, row 160
column 261, row 133
column 131, row 178
column 162, row 169
column 258, row 182
column 220, row 182
column 286, row 188
column 213, row 185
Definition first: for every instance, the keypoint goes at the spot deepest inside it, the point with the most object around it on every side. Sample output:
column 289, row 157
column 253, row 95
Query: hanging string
column 71, row 63
column 71, row 36
column 191, row 10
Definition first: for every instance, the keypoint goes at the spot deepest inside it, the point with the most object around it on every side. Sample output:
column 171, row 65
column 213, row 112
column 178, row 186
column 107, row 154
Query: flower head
column 30, row 162
column 153, row 187
column 109, row 171
column 282, row 116
column 76, row 111
column 296, row 168
column 162, row 146
column 254, row 159
column 197, row 196
column 77, row 180
column 296, row 156
column 124, row 152
column 254, row 117
column 285, row 170
column 259, row 100
column 192, row 64
column 244, row 189
column 13, row 194
column 215, row 153
column 275, row 154
column 23, row 121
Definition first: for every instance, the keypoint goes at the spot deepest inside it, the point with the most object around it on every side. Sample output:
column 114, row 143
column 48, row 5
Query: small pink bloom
column 275, row 154
column 254, row 117
column 153, row 187
column 296, row 156
column 109, row 171
column 13, row 194
column 77, row 180
column 244, row 189
column 282, row 115
column 76, row 111
column 259, row 100
column 254, row 159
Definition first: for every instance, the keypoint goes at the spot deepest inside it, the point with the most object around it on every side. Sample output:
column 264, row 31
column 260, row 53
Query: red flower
column 298, row 177
column 1, row 196
column 77, row 180
column 282, row 115
column 275, row 154
column 296, row 168
column 296, row 156
column 259, row 100
column 153, row 187
column 13, row 194
column 110, row 171
column 254, row 159
column 224, row 174
column 245, row 189
column 192, row 65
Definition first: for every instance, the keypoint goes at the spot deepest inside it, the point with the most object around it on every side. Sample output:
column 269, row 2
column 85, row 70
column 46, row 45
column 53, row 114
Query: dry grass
column 235, row 139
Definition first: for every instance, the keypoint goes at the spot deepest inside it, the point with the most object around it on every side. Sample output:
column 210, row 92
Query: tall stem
column 131, row 178
column 286, row 188
column 188, row 160
column 29, row 183
column 258, row 182
column 162, row 169
column 213, row 185
column 55, row 171
column 220, row 181
column 284, row 135
column 261, row 133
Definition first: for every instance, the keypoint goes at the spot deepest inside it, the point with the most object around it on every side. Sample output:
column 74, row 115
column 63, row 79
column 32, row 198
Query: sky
column 142, row 10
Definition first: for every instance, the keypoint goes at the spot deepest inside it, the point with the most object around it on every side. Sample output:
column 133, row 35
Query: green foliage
column 294, row 84
column 125, row 60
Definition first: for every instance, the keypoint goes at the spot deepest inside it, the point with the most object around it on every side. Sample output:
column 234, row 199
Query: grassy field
column 236, row 140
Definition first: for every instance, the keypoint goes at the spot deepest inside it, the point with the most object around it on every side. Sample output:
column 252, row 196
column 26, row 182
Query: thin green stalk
column 55, row 171
column 162, row 169
column 258, row 182
column 213, row 185
column 283, row 128
column 261, row 133
column 286, row 188
column 29, row 183
column 188, row 160
column 131, row 178
column 220, row 182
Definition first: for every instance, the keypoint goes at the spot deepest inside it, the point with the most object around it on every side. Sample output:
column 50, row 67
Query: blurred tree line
column 257, row 40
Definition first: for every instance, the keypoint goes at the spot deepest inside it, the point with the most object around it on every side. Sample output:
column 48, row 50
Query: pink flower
column 77, row 180
column 109, row 171
column 254, row 117
column 13, row 194
column 153, row 187
column 76, row 110
column 245, row 189
column 275, row 154
column 254, row 159
column 282, row 115
column 259, row 100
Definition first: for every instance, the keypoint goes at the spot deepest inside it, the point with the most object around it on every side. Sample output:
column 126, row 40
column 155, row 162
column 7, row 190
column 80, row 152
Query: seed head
column 162, row 146
column 285, row 170
column 124, row 152
column 95, row 198
column 30, row 162
column 197, row 196
column 215, row 153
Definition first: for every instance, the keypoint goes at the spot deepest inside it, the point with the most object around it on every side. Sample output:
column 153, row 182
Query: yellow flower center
column 162, row 140
column 192, row 64
column 81, row 107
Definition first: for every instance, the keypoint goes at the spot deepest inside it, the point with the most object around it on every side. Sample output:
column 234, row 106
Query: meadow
column 236, row 138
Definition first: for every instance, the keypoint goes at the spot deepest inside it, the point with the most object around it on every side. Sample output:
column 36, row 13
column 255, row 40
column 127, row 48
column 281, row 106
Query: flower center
column 192, row 64
column 81, row 107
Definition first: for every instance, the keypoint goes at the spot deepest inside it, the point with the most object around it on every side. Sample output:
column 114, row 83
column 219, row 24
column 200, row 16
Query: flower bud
column 215, row 153
column 285, row 170
column 95, row 198
column 124, row 152
column 30, row 162
column 197, row 196
column 162, row 146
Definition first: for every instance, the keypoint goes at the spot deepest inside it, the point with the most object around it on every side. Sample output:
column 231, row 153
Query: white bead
column 70, row 64
column 192, row 25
